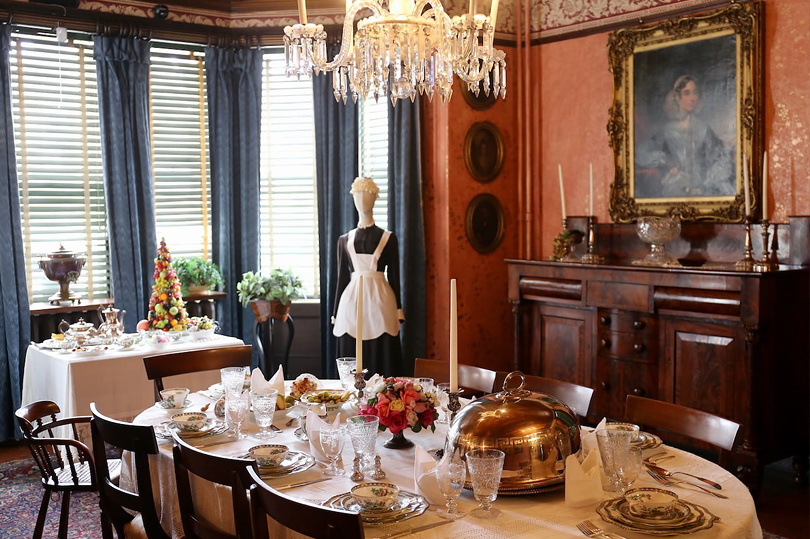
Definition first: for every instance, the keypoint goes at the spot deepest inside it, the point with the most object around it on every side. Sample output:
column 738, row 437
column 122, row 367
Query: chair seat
column 64, row 476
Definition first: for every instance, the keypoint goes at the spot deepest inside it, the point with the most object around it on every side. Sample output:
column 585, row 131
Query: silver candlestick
column 453, row 404
column 359, row 381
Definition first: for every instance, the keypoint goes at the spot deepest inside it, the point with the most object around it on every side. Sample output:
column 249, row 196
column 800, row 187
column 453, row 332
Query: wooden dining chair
column 231, row 472
column 298, row 515
column 65, row 464
column 209, row 359
column 475, row 381
column 117, row 504
column 666, row 417
column 577, row 397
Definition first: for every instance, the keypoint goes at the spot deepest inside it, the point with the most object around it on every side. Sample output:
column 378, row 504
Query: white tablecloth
column 535, row 516
column 115, row 379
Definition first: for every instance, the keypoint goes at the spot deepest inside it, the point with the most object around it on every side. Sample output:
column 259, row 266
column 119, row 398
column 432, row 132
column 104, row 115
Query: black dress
column 382, row 355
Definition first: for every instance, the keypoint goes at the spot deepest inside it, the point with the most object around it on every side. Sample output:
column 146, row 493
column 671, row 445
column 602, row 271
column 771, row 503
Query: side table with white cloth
column 114, row 379
column 530, row 516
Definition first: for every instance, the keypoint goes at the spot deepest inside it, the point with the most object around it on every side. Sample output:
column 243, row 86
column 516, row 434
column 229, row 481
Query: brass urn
column 63, row 266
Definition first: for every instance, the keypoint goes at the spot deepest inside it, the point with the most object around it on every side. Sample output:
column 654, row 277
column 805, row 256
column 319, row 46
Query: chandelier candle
column 453, row 338
column 302, row 11
column 358, row 342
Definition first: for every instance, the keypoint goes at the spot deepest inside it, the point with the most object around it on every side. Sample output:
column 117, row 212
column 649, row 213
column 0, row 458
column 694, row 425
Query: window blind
column 58, row 150
column 179, row 120
column 374, row 152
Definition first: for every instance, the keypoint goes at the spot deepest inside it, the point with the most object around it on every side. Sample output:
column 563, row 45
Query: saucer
column 407, row 505
column 646, row 441
column 212, row 427
column 294, row 462
column 165, row 406
column 687, row 518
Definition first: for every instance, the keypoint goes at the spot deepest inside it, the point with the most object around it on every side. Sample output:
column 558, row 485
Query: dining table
column 114, row 378
column 542, row 515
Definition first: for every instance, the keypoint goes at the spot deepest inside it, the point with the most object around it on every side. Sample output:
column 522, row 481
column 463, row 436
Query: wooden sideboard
column 728, row 342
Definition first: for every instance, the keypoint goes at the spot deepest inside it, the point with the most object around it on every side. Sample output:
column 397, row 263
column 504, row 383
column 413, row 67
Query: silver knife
column 416, row 530
column 302, row 483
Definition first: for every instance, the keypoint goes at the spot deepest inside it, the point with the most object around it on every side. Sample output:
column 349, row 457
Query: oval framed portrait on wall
column 485, row 223
column 484, row 151
column 482, row 101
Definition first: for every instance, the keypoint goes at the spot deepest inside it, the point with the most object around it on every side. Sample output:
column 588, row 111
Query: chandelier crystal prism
column 413, row 46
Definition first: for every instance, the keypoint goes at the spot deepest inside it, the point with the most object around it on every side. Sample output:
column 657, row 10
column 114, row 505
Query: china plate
column 407, row 505
column 646, row 441
column 294, row 462
column 165, row 406
column 698, row 518
column 212, row 427
column 84, row 351
column 51, row 344
column 535, row 487
column 680, row 515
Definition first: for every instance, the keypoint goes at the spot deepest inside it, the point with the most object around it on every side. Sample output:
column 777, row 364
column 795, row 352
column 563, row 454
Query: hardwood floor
column 783, row 507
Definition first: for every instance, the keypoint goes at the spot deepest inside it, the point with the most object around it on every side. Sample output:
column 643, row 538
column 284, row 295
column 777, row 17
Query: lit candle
column 747, row 189
column 302, row 11
column 591, row 198
column 358, row 348
column 453, row 338
column 493, row 13
column 562, row 191
column 765, row 186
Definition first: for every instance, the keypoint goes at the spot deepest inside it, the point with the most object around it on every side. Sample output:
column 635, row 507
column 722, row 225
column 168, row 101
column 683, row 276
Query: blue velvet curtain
column 405, row 218
column 234, row 81
column 122, row 67
column 336, row 151
column 15, row 323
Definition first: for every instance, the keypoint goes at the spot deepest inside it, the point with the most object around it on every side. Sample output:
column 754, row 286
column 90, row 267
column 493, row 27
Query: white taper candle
column 358, row 348
column 302, row 11
column 562, row 191
column 453, row 338
column 745, row 186
column 493, row 14
column 591, row 197
column 765, row 186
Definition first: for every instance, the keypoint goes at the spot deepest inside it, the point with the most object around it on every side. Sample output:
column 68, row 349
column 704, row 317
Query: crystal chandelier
column 411, row 47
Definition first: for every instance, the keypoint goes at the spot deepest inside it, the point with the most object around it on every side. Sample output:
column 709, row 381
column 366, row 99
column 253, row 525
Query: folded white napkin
column 424, row 476
column 583, row 482
column 589, row 440
column 314, row 426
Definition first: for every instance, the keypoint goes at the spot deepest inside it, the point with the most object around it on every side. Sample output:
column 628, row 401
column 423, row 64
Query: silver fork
column 671, row 482
column 590, row 529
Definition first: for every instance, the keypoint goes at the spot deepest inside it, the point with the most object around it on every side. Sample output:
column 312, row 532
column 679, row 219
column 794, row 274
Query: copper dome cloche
column 536, row 431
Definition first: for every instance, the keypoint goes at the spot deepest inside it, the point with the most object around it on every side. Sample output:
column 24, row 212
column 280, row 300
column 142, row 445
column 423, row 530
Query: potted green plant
column 197, row 275
column 269, row 295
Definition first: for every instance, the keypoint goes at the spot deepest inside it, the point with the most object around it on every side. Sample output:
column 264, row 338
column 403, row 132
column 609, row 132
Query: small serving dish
column 268, row 455
column 332, row 399
column 375, row 496
column 648, row 502
column 190, row 421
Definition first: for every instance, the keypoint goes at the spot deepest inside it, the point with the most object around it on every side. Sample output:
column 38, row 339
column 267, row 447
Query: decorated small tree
column 167, row 311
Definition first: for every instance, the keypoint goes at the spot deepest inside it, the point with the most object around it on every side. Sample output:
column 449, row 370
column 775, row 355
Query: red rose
column 397, row 422
column 426, row 418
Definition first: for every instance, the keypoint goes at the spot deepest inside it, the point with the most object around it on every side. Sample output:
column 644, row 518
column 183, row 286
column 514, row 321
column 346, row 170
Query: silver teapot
column 80, row 332
column 113, row 322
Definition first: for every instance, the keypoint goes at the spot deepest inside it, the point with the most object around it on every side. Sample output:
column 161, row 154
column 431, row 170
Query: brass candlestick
column 453, row 404
column 765, row 264
column 590, row 257
column 571, row 242
column 747, row 262
column 359, row 381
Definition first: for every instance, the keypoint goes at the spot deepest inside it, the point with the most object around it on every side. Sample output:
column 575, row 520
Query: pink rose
column 410, row 396
column 420, row 407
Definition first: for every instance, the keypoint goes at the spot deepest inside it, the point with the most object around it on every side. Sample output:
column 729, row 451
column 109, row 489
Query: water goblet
column 628, row 466
column 237, row 404
column 345, row 366
column 450, row 475
column 612, row 444
column 442, row 393
column 331, row 439
column 363, row 434
column 264, row 408
column 426, row 383
column 232, row 378
column 485, row 466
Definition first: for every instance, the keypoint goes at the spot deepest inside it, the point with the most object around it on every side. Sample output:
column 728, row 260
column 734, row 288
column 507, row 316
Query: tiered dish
column 686, row 518
column 646, row 441
column 294, row 462
column 407, row 505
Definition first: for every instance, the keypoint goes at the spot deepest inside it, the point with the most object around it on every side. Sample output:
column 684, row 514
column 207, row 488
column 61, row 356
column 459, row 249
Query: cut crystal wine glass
column 485, row 466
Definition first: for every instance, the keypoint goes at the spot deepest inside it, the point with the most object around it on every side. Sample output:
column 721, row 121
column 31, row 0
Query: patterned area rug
column 20, row 496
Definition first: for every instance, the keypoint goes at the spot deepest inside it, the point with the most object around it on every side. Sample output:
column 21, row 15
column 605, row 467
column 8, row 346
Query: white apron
column 379, row 303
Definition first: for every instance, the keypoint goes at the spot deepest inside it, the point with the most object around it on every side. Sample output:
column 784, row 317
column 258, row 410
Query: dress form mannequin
column 371, row 251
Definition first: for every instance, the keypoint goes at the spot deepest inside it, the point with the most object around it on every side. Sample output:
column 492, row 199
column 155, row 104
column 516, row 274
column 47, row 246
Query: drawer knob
column 605, row 386
column 639, row 347
column 639, row 392
column 605, row 343
column 605, row 320
column 639, row 324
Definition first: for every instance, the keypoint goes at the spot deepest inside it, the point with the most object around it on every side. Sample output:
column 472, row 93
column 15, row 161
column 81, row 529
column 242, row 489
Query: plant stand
column 267, row 315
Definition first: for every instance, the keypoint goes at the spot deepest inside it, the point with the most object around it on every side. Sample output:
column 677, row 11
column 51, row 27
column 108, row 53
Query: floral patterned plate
column 684, row 522
column 407, row 505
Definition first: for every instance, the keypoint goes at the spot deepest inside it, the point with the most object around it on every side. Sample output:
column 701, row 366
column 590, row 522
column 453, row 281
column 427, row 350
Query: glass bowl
column 658, row 231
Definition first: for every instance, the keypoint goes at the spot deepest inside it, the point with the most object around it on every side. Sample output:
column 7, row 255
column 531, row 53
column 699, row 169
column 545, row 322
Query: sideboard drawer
column 619, row 295
column 629, row 346
column 627, row 321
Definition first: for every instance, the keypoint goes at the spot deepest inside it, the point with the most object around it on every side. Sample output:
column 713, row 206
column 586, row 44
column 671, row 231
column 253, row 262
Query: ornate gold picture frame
column 687, row 106
column 485, row 223
column 484, row 151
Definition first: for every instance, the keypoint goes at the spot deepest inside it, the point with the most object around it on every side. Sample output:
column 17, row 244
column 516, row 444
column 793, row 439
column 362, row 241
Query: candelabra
column 747, row 262
column 359, row 381
column 453, row 404
column 765, row 264
column 590, row 257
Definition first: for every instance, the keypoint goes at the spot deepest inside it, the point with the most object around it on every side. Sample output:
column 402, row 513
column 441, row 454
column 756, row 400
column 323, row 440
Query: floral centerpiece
column 400, row 403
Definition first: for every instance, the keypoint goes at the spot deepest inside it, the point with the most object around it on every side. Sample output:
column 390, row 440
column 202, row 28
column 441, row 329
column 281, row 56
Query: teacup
column 174, row 397
column 190, row 421
column 648, row 502
column 626, row 427
column 268, row 454
column 375, row 496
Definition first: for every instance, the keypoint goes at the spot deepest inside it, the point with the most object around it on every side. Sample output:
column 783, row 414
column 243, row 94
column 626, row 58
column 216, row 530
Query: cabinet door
column 703, row 365
column 616, row 378
column 561, row 344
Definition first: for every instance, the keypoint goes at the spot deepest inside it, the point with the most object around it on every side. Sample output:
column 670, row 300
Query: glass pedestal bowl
column 658, row 231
